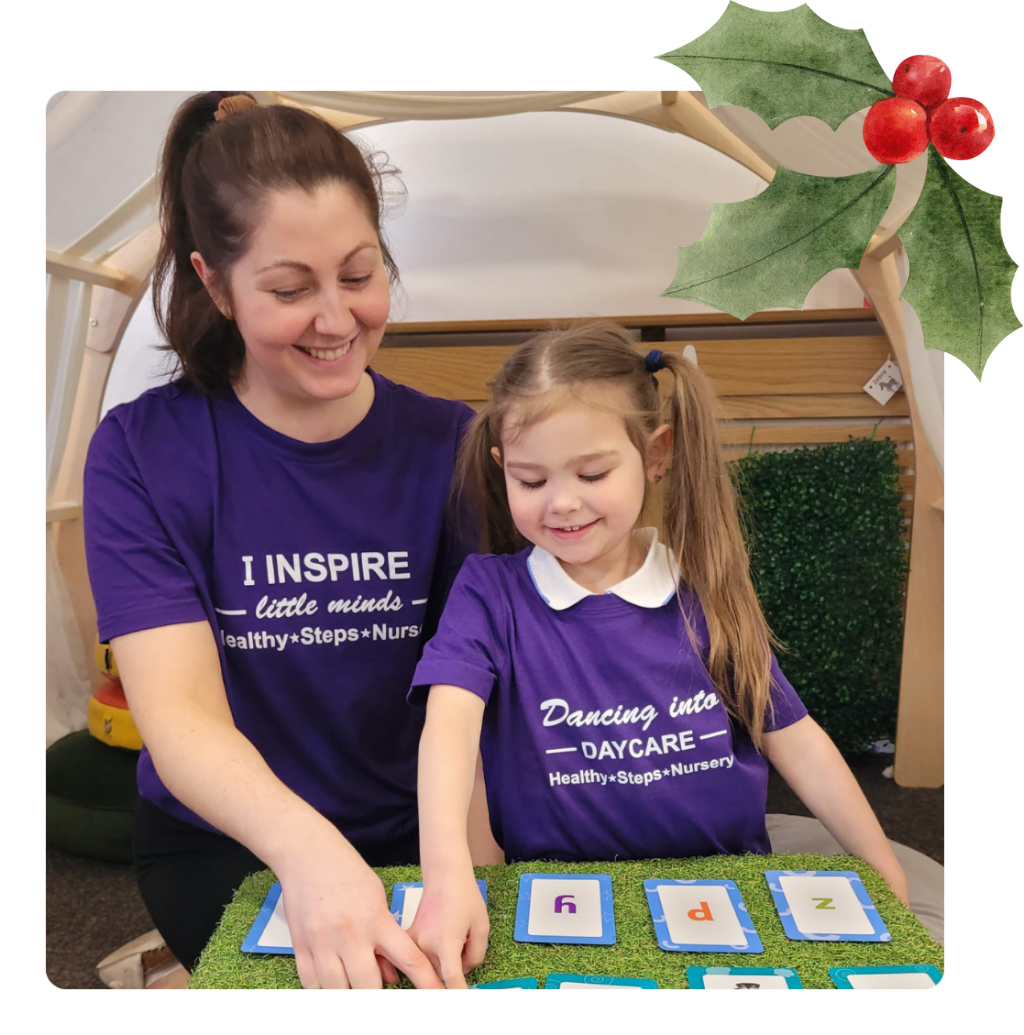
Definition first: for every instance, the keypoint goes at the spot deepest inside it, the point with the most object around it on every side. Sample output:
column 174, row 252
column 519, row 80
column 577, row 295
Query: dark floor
column 93, row 907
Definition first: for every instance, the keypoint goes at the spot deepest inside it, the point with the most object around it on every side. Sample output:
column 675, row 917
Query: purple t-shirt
column 602, row 737
column 321, row 567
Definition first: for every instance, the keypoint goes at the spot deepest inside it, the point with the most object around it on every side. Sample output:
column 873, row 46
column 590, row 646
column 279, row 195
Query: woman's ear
column 659, row 452
column 496, row 456
column 210, row 282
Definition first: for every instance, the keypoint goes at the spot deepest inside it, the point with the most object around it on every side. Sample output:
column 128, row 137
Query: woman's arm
column 810, row 763
column 336, row 907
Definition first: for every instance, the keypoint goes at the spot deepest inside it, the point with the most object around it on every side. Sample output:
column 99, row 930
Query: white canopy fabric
column 103, row 146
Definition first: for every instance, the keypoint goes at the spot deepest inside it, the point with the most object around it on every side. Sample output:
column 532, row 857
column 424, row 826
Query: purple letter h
column 565, row 904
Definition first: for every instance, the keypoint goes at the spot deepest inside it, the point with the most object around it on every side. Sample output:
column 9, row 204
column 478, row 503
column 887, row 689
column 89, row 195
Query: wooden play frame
column 761, row 400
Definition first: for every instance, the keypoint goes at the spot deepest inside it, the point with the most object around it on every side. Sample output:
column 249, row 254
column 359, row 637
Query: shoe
column 137, row 964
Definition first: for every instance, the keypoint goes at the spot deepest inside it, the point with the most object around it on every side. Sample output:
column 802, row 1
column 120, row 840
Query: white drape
column 67, row 672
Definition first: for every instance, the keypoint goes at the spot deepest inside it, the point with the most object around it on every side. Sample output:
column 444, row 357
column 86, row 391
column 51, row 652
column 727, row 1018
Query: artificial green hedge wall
column 829, row 566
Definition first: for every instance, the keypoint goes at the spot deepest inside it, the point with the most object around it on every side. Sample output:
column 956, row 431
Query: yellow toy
column 107, row 715
column 105, row 661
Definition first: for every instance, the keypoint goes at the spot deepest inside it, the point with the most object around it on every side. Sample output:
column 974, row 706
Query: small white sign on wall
column 886, row 383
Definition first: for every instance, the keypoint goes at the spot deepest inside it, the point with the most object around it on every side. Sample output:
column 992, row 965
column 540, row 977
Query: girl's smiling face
column 575, row 486
column 310, row 297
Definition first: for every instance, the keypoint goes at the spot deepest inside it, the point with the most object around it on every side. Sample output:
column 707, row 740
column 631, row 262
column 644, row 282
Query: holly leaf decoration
column 960, row 271
column 771, row 249
column 784, row 63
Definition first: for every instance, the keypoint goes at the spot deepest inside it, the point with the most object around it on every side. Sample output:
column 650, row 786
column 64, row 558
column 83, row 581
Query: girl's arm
column 336, row 907
column 483, row 849
column 813, row 767
column 451, row 924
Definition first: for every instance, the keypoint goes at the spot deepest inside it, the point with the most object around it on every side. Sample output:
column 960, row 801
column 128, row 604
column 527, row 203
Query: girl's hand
column 451, row 927
column 342, row 931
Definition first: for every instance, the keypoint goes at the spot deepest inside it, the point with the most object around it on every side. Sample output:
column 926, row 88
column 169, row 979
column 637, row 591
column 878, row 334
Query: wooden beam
column 688, row 115
column 65, row 511
column 770, row 316
column 90, row 272
column 109, row 315
column 920, row 720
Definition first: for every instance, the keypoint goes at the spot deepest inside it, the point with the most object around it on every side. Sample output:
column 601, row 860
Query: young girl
column 623, row 689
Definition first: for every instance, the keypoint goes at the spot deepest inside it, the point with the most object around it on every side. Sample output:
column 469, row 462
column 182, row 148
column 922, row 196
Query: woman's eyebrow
column 303, row 268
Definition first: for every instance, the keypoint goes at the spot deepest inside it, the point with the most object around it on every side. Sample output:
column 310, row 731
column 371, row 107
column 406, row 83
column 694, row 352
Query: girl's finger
column 475, row 949
column 362, row 969
column 402, row 951
column 307, row 968
column 387, row 972
column 451, row 966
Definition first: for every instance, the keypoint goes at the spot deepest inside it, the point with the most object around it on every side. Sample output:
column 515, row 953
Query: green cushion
column 90, row 797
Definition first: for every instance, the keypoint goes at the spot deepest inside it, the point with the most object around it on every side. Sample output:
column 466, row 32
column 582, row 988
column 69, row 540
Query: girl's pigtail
column 483, row 480
column 702, row 530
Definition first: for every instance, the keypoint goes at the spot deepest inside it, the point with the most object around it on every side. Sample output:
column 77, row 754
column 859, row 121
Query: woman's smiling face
column 310, row 297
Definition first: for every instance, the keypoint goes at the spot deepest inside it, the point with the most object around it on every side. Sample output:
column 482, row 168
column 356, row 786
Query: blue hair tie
column 654, row 361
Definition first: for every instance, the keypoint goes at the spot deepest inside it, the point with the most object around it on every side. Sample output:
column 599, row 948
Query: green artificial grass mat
column 635, row 953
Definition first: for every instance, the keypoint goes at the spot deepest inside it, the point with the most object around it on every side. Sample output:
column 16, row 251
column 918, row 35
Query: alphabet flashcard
column 269, row 932
column 742, row 977
column 701, row 916
column 526, row 982
column 405, row 900
column 573, row 908
column 921, row 975
column 568, row 982
column 825, row 905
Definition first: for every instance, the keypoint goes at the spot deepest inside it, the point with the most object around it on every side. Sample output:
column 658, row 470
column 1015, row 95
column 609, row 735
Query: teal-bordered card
column 586, row 981
column 825, row 905
column 512, row 983
column 269, row 932
column 569, row 908
column 921, row 975
column 742, row 977
column 701, row 916
column 405, row 900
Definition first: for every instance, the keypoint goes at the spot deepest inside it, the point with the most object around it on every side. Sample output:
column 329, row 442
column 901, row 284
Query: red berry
column 960, row 128
column 895, row 130
column 922, row 78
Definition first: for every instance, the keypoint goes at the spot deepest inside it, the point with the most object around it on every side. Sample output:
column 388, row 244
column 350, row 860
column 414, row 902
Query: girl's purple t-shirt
column 321, row 567
column 602, row 736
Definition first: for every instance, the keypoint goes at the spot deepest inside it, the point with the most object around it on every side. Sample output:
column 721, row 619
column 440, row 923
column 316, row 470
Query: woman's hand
column 451, row 927
column 343, row 934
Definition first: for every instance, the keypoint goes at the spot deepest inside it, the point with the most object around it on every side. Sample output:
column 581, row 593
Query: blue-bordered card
column 405, row 900
column 269, row 932
column 586, row 981
column 572, row 908
column 701, row 916
column 921, row 975
column 742, row 977
column 825, row 905
column 513, row 983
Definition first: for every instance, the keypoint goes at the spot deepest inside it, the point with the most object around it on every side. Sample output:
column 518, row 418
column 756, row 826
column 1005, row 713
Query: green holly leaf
column 772, row 249
column 784, row 63
column 960, row 271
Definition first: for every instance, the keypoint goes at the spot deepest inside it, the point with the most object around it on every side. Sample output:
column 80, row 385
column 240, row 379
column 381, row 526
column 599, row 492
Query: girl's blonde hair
column 701, row 523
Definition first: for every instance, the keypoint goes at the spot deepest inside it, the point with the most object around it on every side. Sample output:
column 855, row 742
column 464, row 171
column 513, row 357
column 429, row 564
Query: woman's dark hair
column 214, row 180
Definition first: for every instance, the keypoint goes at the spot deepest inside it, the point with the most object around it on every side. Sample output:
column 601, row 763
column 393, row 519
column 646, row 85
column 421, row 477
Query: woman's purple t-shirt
column 321, row 567
column 602, row 737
